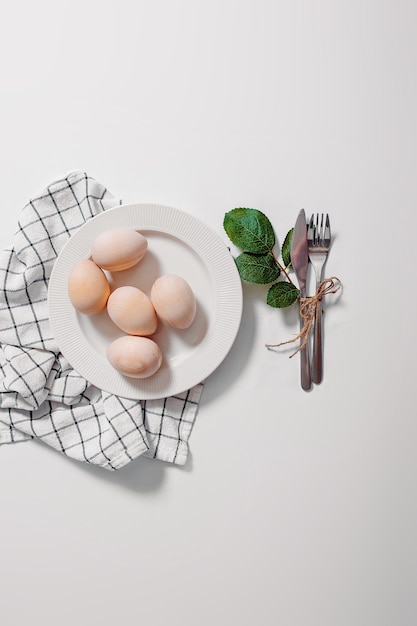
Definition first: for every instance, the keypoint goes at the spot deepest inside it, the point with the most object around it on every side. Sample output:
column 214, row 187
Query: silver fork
column 319, row 239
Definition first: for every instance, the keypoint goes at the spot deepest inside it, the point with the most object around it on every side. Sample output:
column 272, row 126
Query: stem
column 281, row 267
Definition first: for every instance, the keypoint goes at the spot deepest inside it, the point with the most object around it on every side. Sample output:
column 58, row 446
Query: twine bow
column 308, row 307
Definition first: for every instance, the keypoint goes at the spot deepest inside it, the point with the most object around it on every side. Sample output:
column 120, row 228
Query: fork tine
column 316, row 230
column 327, row 233
column 310, row 230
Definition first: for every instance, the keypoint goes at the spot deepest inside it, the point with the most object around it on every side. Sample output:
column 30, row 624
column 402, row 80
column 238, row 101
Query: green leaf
column 257, row 268
column 286, row 248
column 282, row 294
column 250, row 230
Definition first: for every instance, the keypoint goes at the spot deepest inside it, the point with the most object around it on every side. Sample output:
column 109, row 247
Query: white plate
column 180, row 244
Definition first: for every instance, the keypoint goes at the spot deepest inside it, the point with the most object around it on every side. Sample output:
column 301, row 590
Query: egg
column 137, row 357
column 118, row 249
column 88, row 287
column 132, row 311
column 174, row 301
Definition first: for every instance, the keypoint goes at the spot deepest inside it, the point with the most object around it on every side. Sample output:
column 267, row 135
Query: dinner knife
column 299, row 260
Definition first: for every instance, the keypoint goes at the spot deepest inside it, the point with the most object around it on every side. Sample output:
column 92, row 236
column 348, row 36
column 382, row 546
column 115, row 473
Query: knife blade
column 299, row 260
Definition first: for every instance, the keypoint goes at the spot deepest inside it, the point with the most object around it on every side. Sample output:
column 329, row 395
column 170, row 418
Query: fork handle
column 305, row 374
column 317, row 361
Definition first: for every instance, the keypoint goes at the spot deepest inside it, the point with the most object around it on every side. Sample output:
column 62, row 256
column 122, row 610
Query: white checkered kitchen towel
column 41, row 396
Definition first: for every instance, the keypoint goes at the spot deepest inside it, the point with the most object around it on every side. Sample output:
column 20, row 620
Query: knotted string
column 308, row 307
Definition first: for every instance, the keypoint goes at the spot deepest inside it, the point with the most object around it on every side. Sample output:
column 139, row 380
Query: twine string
column 308, row 307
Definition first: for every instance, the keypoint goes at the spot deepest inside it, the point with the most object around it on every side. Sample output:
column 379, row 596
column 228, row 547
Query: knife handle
column 318, row 346
column 305, row 374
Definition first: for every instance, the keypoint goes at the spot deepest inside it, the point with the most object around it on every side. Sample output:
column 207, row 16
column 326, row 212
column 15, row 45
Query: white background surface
column 295, row 509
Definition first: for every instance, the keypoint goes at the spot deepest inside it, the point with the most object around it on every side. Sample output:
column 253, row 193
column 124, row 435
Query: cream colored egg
column 118, row 249
column 132, row 311
column 137, row 357
column 174, row 301
column 88, row 287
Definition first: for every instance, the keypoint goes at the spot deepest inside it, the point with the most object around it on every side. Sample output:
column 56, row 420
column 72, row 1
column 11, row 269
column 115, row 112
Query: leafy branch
column 252, row 232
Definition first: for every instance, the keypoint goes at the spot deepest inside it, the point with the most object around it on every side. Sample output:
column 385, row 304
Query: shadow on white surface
column 142, row 475
column 230, row 370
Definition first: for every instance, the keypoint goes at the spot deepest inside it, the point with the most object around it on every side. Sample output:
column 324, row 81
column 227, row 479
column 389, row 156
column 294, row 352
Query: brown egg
column 137, row 357
column 88, row 287
column 132, row 311
column 118, row 249
column 174, row 301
